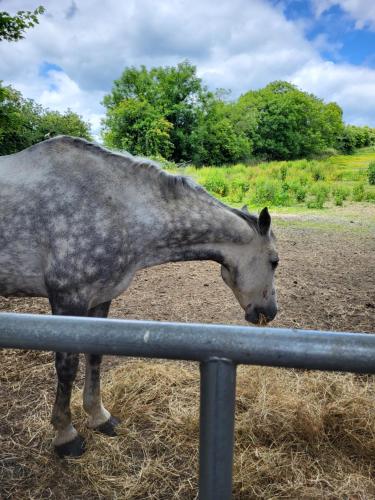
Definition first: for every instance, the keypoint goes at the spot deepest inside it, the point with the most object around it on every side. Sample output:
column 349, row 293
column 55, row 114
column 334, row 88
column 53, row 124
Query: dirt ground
column 325, row 280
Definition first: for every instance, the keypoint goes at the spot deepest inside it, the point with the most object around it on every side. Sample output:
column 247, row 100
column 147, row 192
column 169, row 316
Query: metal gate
column 218, row 349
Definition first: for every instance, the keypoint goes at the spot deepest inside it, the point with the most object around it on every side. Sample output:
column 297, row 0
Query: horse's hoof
column 108, row 428
column 73, row 448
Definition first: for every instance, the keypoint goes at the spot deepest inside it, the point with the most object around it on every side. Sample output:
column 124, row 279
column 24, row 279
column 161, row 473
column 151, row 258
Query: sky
column 80, row 47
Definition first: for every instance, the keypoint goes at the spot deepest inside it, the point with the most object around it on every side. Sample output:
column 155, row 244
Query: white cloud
column 237, row 45
column 351, row 87
column 362, row 11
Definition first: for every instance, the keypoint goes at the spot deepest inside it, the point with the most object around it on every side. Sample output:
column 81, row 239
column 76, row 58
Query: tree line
column 167, row 112
column 23, row 122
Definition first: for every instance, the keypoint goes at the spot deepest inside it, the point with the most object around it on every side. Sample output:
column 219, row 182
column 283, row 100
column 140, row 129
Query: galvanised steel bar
column 217, row 406
column 308, row 349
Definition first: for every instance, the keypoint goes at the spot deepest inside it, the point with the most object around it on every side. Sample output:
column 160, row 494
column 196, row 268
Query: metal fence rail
column 218, row 348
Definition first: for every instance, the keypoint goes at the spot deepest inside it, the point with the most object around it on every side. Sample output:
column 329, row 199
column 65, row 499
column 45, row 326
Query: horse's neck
column 192, row 228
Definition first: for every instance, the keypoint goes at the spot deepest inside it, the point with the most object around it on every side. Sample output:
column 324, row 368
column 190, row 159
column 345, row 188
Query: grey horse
column 77, row 221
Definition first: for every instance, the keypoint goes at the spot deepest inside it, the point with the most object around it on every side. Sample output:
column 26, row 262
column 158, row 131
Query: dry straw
column 298, row 434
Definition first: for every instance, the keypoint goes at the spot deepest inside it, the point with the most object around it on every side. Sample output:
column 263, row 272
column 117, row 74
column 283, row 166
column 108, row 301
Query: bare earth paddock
column 299, row 434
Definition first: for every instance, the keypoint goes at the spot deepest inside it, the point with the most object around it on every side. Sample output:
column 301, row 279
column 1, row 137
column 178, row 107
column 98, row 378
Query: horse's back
column 58, row 204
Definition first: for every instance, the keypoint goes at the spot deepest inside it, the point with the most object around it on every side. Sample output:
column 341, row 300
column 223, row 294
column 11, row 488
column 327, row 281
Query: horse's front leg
column 99, row 418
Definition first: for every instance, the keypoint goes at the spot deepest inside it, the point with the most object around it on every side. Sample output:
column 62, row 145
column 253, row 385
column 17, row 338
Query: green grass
column 311, row 184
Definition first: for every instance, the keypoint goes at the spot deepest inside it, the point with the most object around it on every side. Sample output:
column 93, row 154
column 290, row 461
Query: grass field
column 312, row 184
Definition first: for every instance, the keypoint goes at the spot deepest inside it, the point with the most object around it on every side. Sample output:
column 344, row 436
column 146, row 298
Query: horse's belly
column 22, row 285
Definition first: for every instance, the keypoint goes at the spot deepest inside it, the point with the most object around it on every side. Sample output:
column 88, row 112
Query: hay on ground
column 298, row 434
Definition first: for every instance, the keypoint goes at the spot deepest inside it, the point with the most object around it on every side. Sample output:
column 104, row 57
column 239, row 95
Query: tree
column 12, row 28
column 288, row 123
column 172, row 96
column 138, row 127
column 52, row 123
column 24, row 122
column 18, row 121
column 168, row 111
column 219, row 138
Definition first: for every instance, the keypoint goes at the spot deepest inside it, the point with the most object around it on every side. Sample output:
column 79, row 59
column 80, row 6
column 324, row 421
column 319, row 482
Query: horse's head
column 249, row 271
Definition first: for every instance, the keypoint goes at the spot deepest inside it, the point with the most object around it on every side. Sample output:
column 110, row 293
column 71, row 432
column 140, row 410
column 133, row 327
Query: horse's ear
column 245, row 209
column 264, row 221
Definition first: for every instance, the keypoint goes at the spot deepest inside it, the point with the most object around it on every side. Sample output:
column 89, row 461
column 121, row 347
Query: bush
column 370, row 196
column 164, row 163
column 265, row 192
column 320, row 195
column 216, row 183
column 358, row 193
column 271, row 192
column 283, row 172
column 298, row 189
column 371, row 173
column 237, row 188
column 339, row 200
column 341, row 192
column 317, row 173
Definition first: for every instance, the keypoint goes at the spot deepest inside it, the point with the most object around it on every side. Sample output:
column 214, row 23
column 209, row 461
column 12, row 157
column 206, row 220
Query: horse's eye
column 274, row 263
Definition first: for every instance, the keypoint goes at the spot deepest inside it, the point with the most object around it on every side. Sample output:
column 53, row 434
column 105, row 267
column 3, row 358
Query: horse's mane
column 175, row 185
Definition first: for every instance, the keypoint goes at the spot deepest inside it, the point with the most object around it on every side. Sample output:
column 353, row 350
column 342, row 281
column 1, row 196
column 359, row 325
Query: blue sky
column 71, row 58
column 345, row 42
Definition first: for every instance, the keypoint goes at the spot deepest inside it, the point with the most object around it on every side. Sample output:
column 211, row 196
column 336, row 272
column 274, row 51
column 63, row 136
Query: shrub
column 237, row 188
column 317, row 173
column 370, row 196
column 303, row 179
column 339, row 200
column 358, row 193
column 298, row 190
column 320, row 195
column 341, row 192
column 283, row 172
column 164, row 163
column 216, row 183
column 371, row 173
column 265, row 191
column 271, row 192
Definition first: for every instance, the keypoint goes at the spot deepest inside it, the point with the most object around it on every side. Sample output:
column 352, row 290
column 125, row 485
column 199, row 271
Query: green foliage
column 136, row 126
column 12, row 28
column 289, row 123
column 319, row 195
column 283, row 172
column 162, row 162
column 290, row 183
column 167, row 111
column 354, row 137
column 371, row 173
column 270, row 192
column 358, row 193
column 298, row 189
column 217, row 140
column 216, row 183
column 52, row 123
column 23, row 122
column 238, row 186
column 317, row 172
column 340, row 194
column 370, row 196
column 162, row 101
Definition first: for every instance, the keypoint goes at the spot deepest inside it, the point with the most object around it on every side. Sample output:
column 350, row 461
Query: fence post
column 217, row 408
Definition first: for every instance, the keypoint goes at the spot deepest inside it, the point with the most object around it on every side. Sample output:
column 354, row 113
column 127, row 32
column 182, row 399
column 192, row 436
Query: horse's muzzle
column 260, row 315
